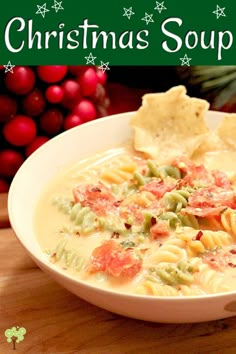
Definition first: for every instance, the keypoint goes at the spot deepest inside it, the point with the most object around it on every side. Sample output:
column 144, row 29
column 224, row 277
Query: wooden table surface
column 58, row 322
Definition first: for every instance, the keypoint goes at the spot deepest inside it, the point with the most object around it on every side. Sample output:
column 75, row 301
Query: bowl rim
column 41, row 259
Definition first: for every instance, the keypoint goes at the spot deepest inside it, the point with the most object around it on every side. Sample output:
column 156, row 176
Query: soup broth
column 122, row 222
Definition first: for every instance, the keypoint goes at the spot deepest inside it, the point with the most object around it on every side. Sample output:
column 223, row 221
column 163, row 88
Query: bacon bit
column 96, row 189
column 128, row 226
column 153, row 221
column 117, row 203
column 232, row 265
column 233, row 251
column 115, row 234
column 199, row 235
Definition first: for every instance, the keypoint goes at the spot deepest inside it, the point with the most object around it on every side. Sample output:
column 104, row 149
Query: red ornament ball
column 71, row 121
column 51, row 121
column 38, row 141
column 8, row 108
column 54, row 94
column 21, row 81
column 20, row 131
column 10, row 161
column 4, row 186
column 34, row 103
column 88, row 82
column 52, row 73
column 86, row 110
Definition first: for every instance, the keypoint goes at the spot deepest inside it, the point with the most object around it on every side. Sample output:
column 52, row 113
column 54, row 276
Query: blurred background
column 39, row 102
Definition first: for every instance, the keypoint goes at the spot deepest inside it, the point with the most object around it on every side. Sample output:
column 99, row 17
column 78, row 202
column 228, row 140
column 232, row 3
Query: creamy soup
column 119, row 221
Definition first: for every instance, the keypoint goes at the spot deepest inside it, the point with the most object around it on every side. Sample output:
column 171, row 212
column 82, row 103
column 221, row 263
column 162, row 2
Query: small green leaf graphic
column 15, row 335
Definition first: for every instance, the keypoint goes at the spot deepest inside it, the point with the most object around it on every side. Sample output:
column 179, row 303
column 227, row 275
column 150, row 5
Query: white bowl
column 30, row 182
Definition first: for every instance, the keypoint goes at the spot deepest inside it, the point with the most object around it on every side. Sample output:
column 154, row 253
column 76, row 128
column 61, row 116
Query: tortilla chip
column 227, row 131
column 170, row 124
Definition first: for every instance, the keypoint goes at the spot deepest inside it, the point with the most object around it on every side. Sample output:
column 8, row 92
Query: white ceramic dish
column 28, row 185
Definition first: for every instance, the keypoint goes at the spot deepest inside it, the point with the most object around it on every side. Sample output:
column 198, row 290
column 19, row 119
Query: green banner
column 124, row 32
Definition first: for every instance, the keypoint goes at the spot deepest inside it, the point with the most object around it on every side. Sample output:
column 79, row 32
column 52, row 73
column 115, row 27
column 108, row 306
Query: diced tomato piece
column 220, row 259
column 125, row 264
column 111, row 258
column 158, row 188
column 102, row 255
column 221, row 179
column 203, row 212
column 96, row 196
column 193, row 174
column 161, row 228
column 134, row 211
column 213, row 197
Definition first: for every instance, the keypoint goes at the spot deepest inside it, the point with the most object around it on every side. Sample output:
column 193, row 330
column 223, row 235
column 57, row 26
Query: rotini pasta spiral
column 122, row 171
column 178, row 219
column 210, row 280
column 176, row 200
column 163, row 171
column 209, row 240
column 69, row 258
column 84, row 218
column 171, row 252
column 213, row 239
column 173, row 274
column 228, row 220
column 63, row 204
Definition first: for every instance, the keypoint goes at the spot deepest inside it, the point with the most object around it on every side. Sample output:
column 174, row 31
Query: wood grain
column 4, row 221
column 59, row 322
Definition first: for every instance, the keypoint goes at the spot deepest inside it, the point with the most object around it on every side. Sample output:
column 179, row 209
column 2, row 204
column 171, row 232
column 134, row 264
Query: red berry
column 34, row 103
column 102, row 77
column 77, row 70
column 51, row 121
column 4, row 186
column 54, row 94
column 21, row 81
column 38, row 141
column 52, row 73
column 8, row 108
column 10, row 161
column 88, row 82
column 20, row 131
column 71, row 121
column 71, row 90
column 85, row 109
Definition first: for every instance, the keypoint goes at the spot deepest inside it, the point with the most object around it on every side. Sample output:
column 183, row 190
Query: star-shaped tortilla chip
column 170, row 124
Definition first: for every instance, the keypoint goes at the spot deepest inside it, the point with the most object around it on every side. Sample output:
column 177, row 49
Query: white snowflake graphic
column 57, row 6
column 160, row 6
column 219, row 12
column 104, row 66
column 42, row 10
column 148, row 18
column 9, row 67
column 128, row 12
column 185, row 60
column 90, row 59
